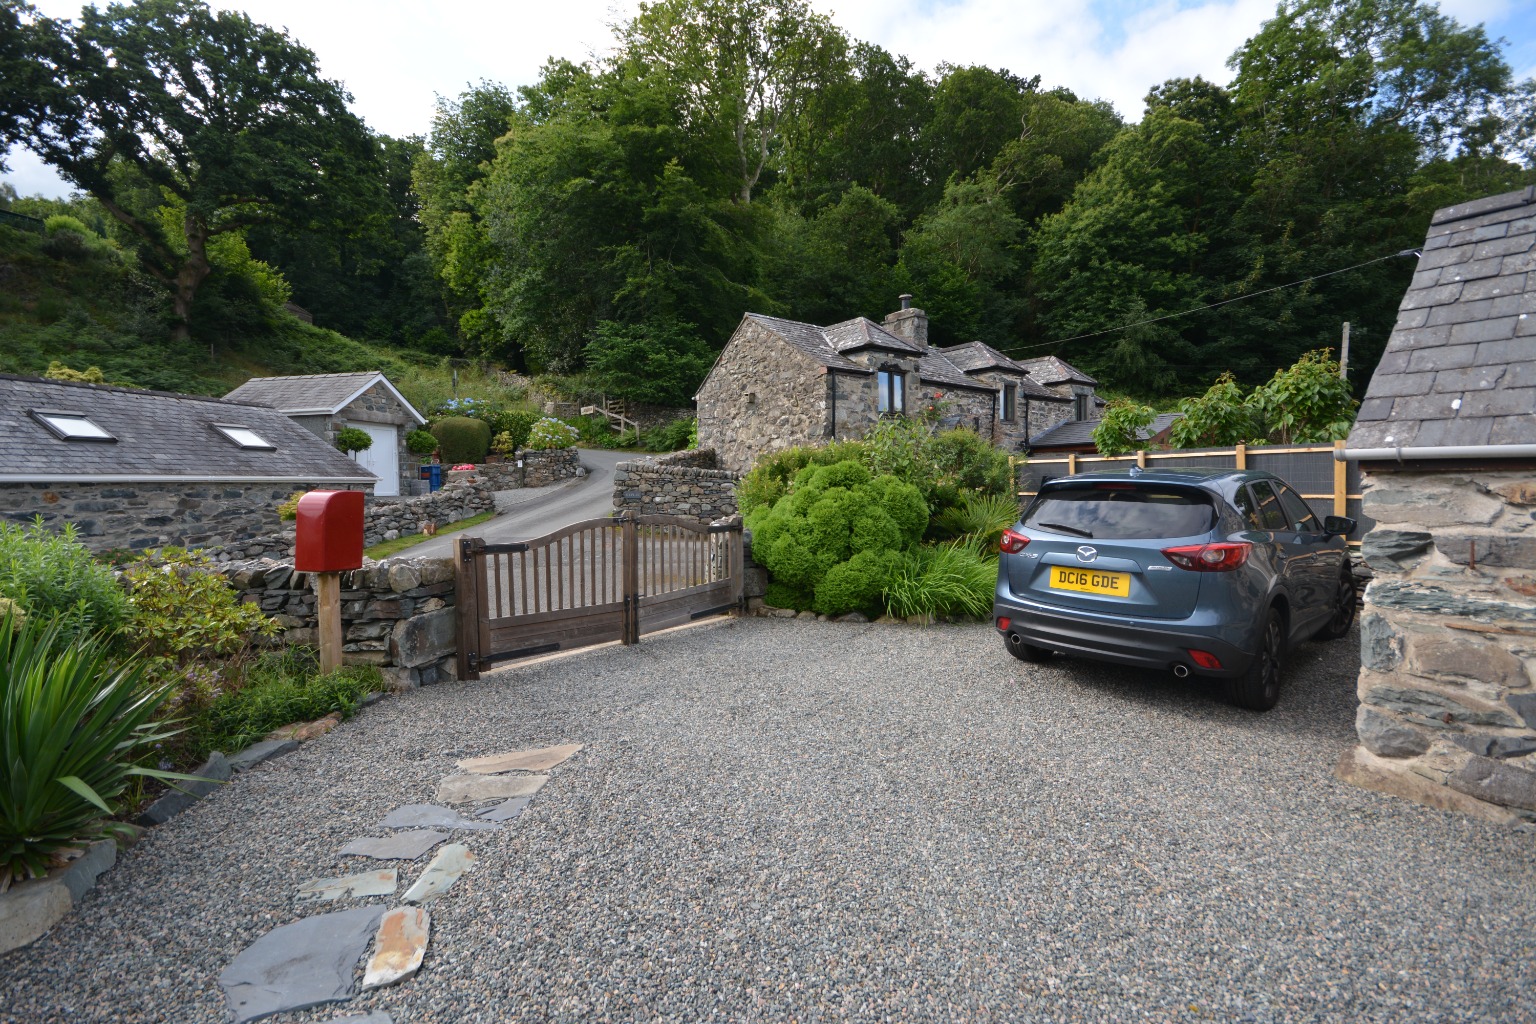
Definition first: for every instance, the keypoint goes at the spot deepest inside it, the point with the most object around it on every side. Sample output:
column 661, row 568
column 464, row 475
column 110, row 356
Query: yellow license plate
column 1091, row 581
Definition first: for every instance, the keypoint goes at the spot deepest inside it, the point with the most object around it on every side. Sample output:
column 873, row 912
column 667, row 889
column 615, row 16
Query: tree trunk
column 192, row 272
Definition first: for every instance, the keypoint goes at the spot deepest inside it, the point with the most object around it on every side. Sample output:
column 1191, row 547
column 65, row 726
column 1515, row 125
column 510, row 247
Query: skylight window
column 71, row 426
column 245, row 437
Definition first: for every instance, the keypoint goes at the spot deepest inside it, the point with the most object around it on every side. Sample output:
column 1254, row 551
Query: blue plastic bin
column 433, row 473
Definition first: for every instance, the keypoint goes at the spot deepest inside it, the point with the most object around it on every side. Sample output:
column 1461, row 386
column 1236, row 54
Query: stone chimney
column 909, row 323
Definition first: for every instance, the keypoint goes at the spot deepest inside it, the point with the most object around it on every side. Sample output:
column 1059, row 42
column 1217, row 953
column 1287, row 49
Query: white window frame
column 57, row 422
column 245, row 437
column 1007, row 408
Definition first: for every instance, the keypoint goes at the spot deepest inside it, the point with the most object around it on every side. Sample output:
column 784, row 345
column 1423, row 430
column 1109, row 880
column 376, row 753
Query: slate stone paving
column 307, row 963
column 432, row 816
column 505, row 811
column 400, row 846
column 367, row 883
column 539, row 760
column 469, row 789
column 398, row 947
column 447, row 865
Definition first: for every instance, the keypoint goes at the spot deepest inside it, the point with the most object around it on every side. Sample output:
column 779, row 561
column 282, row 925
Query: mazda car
column 1208, row 573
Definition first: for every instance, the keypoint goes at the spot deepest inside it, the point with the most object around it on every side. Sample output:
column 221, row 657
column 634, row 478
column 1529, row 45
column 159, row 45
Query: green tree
column 169, row 98
column 742, row 69
column 962, row 259
column 1121, row 427
column 658, row 362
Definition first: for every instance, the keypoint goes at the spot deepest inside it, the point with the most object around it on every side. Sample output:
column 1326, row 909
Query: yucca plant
column 948, row 579
column 73, row 720
column 982, row 516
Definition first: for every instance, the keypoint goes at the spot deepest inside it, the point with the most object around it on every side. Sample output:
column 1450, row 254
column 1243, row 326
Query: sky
column 396, row 56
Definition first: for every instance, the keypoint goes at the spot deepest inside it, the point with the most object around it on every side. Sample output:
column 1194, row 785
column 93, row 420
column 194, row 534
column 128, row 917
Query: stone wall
column 959, row 407
column 1045, row 413
column 1448, row 635
column 762, row 395
column 383, row 519
column 396, row 614
column 377, row 405
column 142, row 516
column 529, row 468
column 682, row 484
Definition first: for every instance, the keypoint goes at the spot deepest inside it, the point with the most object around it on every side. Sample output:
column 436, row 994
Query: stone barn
column 141, row 469
column 1446, row 436
column 327, row 402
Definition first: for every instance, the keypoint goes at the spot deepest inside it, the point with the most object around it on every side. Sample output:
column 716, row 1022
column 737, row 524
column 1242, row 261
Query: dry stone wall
column 763, row 395
column 1448, row 641
column 532, row 468
column 682, row 484
column 396, row 614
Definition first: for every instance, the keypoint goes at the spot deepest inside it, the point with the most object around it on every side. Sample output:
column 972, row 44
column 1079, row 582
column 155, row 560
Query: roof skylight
column 245, row 437
column 71, row 426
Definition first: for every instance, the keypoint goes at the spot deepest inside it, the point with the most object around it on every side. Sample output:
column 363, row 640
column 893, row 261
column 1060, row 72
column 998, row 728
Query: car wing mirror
column 1338, row 526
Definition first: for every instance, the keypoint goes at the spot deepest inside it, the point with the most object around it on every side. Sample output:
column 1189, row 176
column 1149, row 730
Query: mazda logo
column 1087, row 554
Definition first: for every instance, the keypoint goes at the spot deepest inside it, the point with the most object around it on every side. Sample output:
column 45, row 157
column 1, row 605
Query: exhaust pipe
column 1015, row 641
column 1181, row 671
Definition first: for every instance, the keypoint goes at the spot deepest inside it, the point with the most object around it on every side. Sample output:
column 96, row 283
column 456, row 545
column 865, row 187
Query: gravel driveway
column 782, row 820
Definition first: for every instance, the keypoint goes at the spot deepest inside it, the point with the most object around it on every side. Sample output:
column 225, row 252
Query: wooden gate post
column 630, row 538
column 328, row 614
column 467, row 605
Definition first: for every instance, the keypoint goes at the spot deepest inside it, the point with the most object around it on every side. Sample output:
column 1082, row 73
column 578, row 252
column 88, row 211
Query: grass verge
column 385, row 548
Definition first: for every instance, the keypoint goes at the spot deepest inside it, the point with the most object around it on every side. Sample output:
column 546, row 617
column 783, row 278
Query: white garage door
column 383, row 458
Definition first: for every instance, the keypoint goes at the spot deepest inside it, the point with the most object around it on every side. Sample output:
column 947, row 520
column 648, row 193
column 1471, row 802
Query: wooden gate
column 590, row 583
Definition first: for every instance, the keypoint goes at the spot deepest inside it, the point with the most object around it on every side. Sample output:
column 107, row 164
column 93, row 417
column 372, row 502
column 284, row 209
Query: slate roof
column 1080, row 432
column 826, row 345
column 1460, row 367
column 935, row 368
column 861, row 332
column 159, row 436
column 318, row 394
column 808, row 339
column 1050, row 370
column 975, row 356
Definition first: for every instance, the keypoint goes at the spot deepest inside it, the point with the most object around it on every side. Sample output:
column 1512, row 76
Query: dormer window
column 71, row 426
column 245, row 437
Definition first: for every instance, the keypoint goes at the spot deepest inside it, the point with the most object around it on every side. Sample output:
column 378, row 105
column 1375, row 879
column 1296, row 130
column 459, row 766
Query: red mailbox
column 329, row 532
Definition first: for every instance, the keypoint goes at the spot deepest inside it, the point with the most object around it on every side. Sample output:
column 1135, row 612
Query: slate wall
column 397, row 614
column 762, row 395
column 1448, row 641
column 684, row 483
column 142, row 516
column 531, row 468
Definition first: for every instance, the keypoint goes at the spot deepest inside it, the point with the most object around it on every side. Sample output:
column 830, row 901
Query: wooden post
column 1344, row 357
column 328, row 612
column 1071, row 463
column 1141, row 458
column 1340, row 481
column 1240, row 456
column 631, row 577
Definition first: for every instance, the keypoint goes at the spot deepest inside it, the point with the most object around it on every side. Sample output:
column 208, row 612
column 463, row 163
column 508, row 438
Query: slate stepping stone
column 366, row 883
column 447, row 865
column 432, row 816
column 376, row 1017
column 541, row 759
column 300, row 965
column 256, row 753
column 470, row 789
column 398, row 947
column 400, row 846
column 505, row 811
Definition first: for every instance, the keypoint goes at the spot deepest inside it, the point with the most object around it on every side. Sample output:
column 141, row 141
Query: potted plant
column 421, row 443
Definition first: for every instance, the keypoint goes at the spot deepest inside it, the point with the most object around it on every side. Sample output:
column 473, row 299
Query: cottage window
column 893, row 388
column 1005, row 409
column 245, row 437
column 1080, row 405
column 71, row 426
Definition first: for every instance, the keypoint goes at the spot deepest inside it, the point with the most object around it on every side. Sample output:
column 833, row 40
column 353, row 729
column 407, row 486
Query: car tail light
column 1205, row 659
column 1012, row 543
column 1222, row 557
column 1003, row 623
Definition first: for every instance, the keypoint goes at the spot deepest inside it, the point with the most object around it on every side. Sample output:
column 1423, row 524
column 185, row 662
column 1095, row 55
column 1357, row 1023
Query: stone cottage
column 325, row 403
column 141, row 469
column 781, row 383
column 1446, row 436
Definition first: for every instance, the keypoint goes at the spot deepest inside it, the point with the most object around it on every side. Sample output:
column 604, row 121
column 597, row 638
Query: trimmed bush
column 351, row 439
column 53, row 576
column 462, row 439
column 420, row 442
column 549, row 433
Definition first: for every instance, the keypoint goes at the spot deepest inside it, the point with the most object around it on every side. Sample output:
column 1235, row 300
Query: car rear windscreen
column 1122, row 512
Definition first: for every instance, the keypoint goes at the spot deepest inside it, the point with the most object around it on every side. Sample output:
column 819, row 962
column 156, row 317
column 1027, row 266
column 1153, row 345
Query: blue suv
column 1207, row 572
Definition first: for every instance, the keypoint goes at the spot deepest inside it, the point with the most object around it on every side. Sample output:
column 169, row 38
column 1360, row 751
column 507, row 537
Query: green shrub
column 462, row 439
column 64, row 222
column 90, row 375
column 420, row 442
column 288, row 508
column 550, row 433
column 517, row 425
column 829, row 515
column 671, row 437
column 964, row 459
column 278, row 689
column 52, row 575
column 190, row 625
column 978, row 517
column 352, row 439
column 949, row 579
column 770, row 477
column 661, row 362
column 72, row 723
